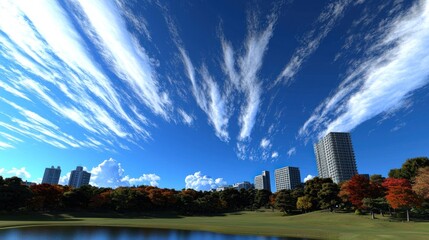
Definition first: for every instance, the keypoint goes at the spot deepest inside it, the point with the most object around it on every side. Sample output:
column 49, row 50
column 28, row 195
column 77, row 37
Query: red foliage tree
column 46, row 196
column 356, row 189
column 400, row 194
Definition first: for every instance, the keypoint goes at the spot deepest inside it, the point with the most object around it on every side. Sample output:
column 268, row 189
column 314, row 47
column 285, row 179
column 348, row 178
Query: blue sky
column 204, row 93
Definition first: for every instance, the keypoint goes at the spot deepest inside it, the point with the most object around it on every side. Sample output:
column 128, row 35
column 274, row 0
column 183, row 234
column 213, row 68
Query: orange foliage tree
column 400, row 194
column 421, row 183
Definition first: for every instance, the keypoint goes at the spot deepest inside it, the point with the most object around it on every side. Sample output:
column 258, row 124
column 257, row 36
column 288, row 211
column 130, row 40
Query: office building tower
column 263, row 181
column 335, row 157
column 79, row 177
column 51, row 175
column 287, row 178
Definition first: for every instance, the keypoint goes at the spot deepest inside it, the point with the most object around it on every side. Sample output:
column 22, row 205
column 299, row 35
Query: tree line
column 406, row 188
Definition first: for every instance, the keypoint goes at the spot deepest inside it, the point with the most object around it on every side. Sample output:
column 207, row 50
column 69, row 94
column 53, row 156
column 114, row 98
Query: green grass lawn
column 317, row 225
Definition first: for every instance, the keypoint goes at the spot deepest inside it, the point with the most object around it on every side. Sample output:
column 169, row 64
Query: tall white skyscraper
column 79, row 177
column 287, row 178
column 335, row 157
column 52, row 175
column 263, row 181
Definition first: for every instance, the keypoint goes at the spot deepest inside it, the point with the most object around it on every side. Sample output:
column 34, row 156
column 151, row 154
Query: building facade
column 243, row 185
column 287, row 178
column 52, row 175
column 79, row 177
column 263, row 181
column 335, row 157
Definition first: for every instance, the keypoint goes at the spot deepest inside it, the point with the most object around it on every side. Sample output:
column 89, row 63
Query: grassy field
column 316, row 225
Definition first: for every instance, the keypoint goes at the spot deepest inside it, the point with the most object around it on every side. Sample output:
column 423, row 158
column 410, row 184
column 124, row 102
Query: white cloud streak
column 128, row 60
column 397, row 68
column 291, row 151
column 67, row 79
column 265, row 143
column 275, row 155
column 208, row 97
column 332, row 13
column 186, row 118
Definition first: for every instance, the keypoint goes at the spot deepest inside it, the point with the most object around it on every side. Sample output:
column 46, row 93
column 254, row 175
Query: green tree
column 312, row 188
column 410, row 168
column 262, row 198
column 13, row 194
column 285, row 201
column 328, row 196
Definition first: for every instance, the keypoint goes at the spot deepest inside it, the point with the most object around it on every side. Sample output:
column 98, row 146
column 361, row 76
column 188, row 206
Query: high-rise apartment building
column 52, row 175
column 287, row 178
column 263, row 181
column 79, row 177
column 335, row 157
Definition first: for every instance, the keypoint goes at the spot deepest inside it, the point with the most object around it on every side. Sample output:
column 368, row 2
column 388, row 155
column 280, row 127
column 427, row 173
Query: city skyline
column 198, row 95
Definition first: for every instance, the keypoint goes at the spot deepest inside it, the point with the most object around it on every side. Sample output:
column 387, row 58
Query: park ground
column 315, row 225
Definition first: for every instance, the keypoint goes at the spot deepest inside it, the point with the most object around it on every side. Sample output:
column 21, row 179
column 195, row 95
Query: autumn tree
column 421, row 183
column 304, row 203
column 400, row 194
column 356, row 189
column 46, row 196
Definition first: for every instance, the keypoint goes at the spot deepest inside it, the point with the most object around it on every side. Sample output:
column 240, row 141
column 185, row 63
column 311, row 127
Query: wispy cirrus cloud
column 250, row 64
column 186, row 118
column 68, row 80
column 329, row 16
column 396, row 67
column 4, row 145
column 207, row 96
column 125, row 56
column 291, row 151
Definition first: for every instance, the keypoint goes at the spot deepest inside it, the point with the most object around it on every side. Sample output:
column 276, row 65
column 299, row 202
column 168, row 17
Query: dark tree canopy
column 410, row 168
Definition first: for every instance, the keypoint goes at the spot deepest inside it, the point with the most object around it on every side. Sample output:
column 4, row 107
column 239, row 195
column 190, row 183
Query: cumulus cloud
column 309, row 177
column 332, row 13
column 110, row 173
column 64, row 180
column 19, row 172
column 396, row 67
column 291, row 151
column 198, row 181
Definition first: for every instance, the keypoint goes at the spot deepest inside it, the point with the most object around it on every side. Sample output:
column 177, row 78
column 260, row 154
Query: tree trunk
column 408, row 215
column 382, row 213
column 372, row 214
